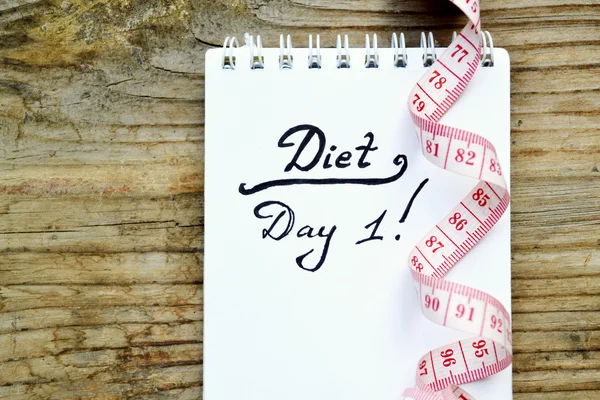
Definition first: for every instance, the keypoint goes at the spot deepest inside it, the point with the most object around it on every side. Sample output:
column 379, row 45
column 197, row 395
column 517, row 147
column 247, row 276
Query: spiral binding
column 372, row 60
column 428, row 49
column 487, row 52
column 400, row 57
column 228, row 50
column 343, row 56
column 372, row 56
column 257, row 61
column 286, row 60
column 314, row 60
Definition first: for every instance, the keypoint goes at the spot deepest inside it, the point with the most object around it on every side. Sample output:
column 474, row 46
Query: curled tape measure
column 440, row 371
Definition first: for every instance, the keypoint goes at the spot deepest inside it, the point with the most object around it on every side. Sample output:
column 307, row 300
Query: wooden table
column 101, row 206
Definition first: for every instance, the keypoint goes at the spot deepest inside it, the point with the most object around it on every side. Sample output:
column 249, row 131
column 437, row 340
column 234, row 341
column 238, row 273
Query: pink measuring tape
column 440, row 371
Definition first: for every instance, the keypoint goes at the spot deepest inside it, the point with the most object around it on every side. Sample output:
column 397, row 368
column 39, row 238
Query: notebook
column 316, row 190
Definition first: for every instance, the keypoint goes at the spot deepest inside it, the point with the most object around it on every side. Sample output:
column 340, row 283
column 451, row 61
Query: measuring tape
column 447, row 303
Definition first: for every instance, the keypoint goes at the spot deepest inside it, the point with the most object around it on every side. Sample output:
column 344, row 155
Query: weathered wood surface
column 101, row 183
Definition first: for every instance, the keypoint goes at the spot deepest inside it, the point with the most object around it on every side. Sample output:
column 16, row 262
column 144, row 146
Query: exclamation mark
column 410, row 203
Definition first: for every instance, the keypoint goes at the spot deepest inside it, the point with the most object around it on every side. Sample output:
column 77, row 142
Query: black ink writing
column 412, row 199
column 375, row 225
column 312, row 132
column 310, row 151
column 283, row 224
column 285, row 212
column 399, row 161
column 361, row 162
column 342, row 160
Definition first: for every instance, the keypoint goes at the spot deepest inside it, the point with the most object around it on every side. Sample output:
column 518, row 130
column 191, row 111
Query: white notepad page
column 352, row 329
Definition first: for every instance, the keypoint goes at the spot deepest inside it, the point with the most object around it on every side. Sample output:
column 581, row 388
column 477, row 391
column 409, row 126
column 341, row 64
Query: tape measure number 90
column 440, row 371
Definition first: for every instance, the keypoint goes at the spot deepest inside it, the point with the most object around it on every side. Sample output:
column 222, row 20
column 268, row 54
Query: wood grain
column 101, row 183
